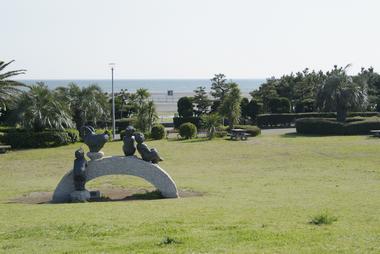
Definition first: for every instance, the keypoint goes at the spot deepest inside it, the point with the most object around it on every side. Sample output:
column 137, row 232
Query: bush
column 250, row 129
column 73, row 134
column 272, row 120
column 221, row 134
column 188, row 130
column 122, row 124
column 27, row 139
column 319, row 126
column 158, row 132
column 178, row 121
column 323, row 126
column 105, row 131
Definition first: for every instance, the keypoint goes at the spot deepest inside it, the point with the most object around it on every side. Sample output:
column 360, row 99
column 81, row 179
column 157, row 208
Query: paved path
column 277, row 131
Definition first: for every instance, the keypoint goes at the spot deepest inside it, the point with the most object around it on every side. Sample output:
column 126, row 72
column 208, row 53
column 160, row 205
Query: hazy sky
column 63, row 39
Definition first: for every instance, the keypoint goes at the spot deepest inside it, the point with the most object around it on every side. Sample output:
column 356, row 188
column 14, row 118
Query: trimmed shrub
column 362, row 127
column 73, row 134
column 122, row 124
column 221, row 134
column 158, row 132
column 178, row 121
column 105, row 131
column 319, row 126
column 250, row 129
column 27, row 139
column 187, row 130
column 273, row 120
column 323, row 126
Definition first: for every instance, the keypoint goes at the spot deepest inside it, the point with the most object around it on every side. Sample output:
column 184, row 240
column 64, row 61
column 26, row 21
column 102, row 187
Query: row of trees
column 37, row 107
column 332, row 91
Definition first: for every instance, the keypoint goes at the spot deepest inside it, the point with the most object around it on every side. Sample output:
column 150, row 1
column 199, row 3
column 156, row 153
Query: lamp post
column 112, row 65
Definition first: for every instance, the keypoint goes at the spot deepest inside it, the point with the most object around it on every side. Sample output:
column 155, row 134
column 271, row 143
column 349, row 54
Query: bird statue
column 146, row 153
column 94, row 141
column 79, row 170
column 129, row 147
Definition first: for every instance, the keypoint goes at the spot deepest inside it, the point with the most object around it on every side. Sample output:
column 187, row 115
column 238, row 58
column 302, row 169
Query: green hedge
column 275, row 120
column 250, row 129
column 324, row 126
column 27, row 139
column 178, row 121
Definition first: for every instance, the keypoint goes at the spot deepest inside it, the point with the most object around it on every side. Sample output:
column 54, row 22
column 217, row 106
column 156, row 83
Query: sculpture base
column 80, row 196
column 95, row 155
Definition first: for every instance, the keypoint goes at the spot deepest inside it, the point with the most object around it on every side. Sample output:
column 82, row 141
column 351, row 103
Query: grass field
column 258, row 197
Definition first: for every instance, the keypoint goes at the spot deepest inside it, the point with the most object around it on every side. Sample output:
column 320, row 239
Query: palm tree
column 146, row 114
column 211, row 121
column 340, row 93
column 9, row 88
column 87, row 104
column 40, row 109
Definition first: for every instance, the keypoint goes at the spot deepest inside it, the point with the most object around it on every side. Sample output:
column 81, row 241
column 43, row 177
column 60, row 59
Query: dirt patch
column 107, row 194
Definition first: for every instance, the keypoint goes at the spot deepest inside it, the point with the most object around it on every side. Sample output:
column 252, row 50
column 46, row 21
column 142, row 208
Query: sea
column 164, row 92
column 153, row 85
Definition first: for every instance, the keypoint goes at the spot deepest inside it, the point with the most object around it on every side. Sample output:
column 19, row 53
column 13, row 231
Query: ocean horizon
column 153, row 85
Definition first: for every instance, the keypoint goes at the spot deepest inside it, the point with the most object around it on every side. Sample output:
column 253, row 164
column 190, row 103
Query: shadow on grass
column 149, row 195
column 295, row 135
column 194, row 140
column 373, row 137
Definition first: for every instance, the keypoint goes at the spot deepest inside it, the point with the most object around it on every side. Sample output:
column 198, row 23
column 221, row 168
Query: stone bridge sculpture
column 69, row 189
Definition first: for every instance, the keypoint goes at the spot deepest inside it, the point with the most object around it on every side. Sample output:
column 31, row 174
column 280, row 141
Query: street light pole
column 113, row 103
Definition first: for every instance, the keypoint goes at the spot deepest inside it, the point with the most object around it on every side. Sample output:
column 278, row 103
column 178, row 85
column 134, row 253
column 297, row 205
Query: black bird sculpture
column 94, row 141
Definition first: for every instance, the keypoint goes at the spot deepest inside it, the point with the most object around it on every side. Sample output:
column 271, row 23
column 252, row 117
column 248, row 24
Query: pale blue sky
column 187, row 38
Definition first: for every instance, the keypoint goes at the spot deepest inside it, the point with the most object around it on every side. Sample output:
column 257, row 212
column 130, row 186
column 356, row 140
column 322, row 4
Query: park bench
column 376, row 133
column 4, row 148
column 237, row 134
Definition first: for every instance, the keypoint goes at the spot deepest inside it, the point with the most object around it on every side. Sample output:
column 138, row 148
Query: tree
column 372, row 79
column 121, row 104
column 279, row 105
column 340, row 93
column 9, row 89
column 210, row 122
column 230, row 107
column 255, row 107
column 87, row 104
column 40, row 109
column 201, row 101
column 185, row 107
column 244, row 106
column 219, row 86
column 146, row 114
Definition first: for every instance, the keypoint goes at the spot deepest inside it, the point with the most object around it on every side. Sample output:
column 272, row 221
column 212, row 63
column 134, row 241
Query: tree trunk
column 341, row 115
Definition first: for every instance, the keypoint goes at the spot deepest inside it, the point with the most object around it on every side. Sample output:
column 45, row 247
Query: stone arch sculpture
column 119, row 165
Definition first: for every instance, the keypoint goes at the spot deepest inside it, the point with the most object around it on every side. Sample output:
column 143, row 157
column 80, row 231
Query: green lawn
column 258, row 197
